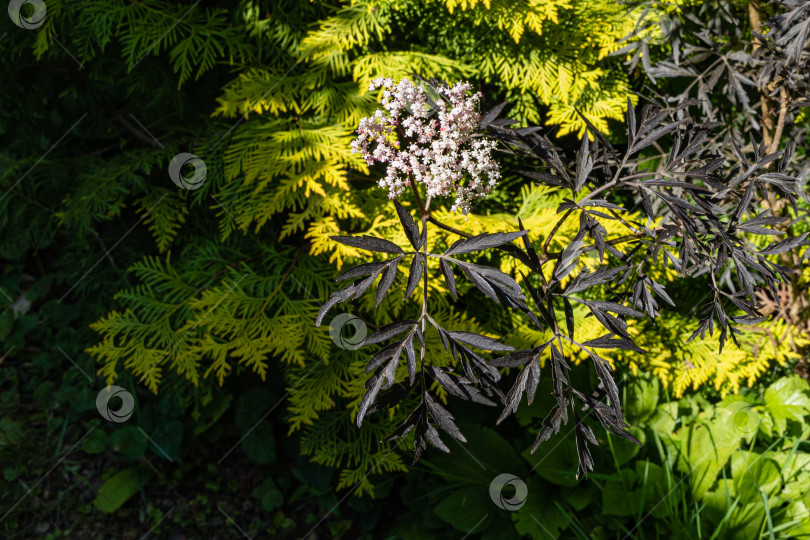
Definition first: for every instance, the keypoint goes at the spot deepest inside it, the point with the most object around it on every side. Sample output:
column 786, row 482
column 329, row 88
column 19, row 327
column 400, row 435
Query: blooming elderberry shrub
column 439, row 151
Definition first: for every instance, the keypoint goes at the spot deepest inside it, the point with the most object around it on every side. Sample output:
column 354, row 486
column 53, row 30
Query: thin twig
column 447, row 228
column 780, row 125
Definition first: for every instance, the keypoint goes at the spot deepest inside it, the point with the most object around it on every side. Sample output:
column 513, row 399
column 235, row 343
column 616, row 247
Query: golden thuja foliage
column 283, row 180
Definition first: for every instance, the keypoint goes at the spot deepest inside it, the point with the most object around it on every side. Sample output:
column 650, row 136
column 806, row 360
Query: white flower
column 438, row 152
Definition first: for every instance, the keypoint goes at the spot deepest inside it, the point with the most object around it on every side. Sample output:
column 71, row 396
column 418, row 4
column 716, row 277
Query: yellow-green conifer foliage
column 284, row 180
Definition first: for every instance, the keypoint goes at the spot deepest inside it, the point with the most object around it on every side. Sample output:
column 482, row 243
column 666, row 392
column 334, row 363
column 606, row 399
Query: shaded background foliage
column 201, row 302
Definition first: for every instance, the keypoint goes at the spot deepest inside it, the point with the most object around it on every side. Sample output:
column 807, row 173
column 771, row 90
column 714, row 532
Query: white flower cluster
column 436, row 150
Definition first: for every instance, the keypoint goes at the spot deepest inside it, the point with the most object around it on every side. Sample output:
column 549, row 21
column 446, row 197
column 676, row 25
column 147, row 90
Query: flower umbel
column 437, row 150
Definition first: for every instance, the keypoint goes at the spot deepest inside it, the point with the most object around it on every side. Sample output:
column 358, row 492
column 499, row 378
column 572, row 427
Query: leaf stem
column 447, row 228
column 425, row 214
column 422, row 209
